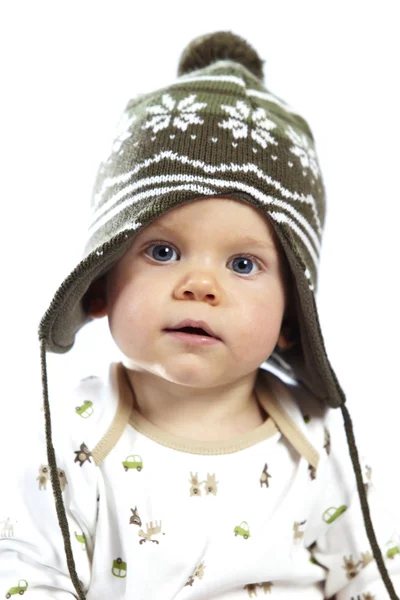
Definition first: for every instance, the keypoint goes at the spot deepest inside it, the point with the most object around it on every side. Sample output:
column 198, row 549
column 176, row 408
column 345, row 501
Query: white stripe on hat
column 267, row 200
column 235, row 167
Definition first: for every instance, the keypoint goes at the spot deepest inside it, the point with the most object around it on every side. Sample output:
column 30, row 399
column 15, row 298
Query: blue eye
column 163, row 254
column 244, row 261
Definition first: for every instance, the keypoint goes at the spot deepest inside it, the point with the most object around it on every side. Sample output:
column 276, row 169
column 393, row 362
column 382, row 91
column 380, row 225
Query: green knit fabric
column 216, row 131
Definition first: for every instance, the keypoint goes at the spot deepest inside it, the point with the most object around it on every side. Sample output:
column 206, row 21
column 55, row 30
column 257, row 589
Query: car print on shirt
column 81, row 539
column 333, row 513
column 133, row 461
column 86, row 410
column 393, row 549
column 242, row 529
column 19, row 589
column 118, row 568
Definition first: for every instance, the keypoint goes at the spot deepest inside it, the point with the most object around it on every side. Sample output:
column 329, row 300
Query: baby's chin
column 192, row 372
column 152, row 368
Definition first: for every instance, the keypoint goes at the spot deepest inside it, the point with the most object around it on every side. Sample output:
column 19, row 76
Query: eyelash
column 161, row 243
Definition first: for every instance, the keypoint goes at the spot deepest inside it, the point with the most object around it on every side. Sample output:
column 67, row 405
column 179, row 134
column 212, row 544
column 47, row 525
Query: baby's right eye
column 159, row 245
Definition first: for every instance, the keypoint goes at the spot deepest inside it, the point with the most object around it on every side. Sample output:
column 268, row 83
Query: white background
column 68, row 70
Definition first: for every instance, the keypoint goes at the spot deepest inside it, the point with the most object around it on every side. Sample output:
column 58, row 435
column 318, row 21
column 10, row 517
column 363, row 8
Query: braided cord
column 365, row 508
column 62, row 518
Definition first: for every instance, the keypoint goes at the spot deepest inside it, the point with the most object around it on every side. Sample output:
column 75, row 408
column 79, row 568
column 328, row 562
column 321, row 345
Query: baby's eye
column 244, row 261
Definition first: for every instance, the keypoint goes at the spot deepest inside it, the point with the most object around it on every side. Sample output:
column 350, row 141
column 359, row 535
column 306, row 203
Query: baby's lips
column 196, row 325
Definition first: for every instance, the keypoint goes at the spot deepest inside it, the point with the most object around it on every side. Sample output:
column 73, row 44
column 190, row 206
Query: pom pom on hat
column 221, row 45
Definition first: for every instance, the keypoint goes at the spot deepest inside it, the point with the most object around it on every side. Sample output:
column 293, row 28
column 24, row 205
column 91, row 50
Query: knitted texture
column 215, row 131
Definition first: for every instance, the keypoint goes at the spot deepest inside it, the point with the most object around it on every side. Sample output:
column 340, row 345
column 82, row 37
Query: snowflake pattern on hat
column 185, row 113
column 304, row 151
column 123, row 133
column 239, row 123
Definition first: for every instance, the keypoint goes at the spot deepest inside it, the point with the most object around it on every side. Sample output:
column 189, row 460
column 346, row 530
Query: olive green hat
column 214, row 131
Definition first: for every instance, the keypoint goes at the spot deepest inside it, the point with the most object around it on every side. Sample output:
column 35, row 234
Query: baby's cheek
column 124, row 319
column 262, row 328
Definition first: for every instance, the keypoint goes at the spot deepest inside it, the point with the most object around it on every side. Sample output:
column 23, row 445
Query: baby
column 209, row 463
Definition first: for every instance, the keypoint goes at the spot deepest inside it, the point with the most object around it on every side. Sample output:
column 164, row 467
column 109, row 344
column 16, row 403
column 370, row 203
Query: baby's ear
column 95, row 300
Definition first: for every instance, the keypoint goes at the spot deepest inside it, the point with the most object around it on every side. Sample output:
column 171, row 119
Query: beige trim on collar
column 121, row 417
column 278, row 420
column 285, row 424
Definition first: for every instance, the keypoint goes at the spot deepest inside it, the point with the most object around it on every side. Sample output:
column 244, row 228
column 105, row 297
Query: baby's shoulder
column 326, row 429
column 83, row 405
column 306, row 414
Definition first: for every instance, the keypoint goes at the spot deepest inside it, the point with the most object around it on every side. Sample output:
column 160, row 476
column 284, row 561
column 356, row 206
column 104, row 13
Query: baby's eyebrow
column 242, row 240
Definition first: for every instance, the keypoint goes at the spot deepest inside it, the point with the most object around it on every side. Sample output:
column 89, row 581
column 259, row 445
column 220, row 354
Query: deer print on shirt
column 83, row 454
column 366, row 558
column 135, row 519
column 210, row 484
column 367, row 478
column 265, row 476
column 350, row 566
column 62, row 479
column 198, row 572
column 150, row 531
column 251, row 588
column 43, row 477
column 8, row 528
column 195, row 485
column 312, row 471
column 298, row 535
column 327, row 442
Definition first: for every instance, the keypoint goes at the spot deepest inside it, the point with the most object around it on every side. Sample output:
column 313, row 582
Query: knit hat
column 215, row 131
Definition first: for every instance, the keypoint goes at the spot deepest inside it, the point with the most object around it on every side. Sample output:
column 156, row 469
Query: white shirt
column 157, row 516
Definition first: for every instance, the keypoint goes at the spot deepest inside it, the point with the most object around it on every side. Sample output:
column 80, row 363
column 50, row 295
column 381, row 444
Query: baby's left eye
column 243, row 260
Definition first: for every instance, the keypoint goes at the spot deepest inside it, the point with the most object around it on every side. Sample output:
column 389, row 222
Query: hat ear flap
column 95, row 300
column 290, row 334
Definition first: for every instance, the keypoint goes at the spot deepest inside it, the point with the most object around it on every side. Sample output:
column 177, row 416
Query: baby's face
column 198, row 270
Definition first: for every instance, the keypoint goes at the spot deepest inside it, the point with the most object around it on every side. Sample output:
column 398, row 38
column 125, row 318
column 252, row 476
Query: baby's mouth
column 191, row 330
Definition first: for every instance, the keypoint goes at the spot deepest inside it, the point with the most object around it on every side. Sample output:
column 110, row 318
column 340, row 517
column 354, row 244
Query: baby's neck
column 217, row 417
column 214, row 431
